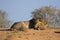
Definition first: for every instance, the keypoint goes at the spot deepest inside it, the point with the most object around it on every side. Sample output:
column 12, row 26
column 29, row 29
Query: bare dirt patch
column 48, row 34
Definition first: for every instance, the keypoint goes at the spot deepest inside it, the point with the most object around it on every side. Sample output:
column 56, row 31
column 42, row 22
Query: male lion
column 34, row 23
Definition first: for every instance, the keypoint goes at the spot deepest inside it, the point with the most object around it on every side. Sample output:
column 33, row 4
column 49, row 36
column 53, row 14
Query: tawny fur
column 20, row 25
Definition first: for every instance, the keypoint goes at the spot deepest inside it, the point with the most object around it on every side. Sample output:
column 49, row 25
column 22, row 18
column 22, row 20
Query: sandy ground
column 48, row 34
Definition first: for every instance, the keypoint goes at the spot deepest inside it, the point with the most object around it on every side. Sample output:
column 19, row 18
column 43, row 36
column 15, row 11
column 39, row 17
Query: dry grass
column 48, row 34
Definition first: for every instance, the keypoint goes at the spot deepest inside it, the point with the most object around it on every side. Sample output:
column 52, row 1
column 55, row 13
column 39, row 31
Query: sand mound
column 31, row 34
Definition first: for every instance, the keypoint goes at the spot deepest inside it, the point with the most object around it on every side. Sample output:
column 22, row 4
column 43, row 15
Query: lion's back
column 18, row 25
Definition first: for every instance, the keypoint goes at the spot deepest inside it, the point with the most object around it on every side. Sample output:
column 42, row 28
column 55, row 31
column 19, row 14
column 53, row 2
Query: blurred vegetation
column 48, row 13
column 4, row 21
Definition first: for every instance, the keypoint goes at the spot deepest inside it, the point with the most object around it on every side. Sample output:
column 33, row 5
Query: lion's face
column 40, row 24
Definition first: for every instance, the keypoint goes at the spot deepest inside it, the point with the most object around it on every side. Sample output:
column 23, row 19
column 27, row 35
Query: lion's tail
column 5, row 29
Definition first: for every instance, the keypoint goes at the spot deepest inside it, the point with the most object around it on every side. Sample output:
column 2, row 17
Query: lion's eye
column 39, row 20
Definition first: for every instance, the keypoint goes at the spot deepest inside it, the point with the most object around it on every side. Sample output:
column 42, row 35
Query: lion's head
column 40, row 24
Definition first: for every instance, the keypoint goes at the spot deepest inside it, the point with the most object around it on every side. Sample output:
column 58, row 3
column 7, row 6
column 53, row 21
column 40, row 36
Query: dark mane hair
column 32, row 23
